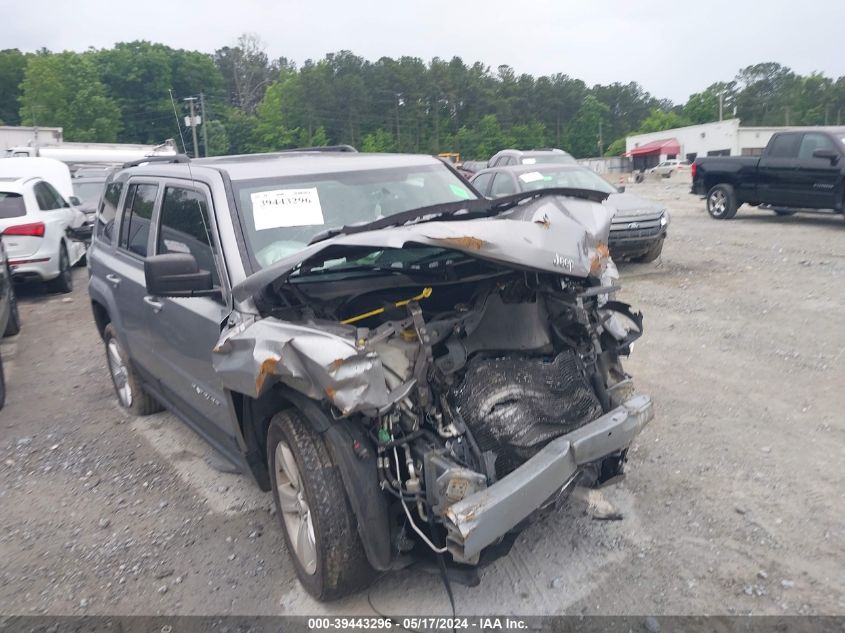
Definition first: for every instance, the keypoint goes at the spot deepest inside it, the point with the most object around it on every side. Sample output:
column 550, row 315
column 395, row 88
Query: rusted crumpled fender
column 319, row 360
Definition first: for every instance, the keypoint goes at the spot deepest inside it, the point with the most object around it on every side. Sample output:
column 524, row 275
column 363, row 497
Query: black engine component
column 515, row 404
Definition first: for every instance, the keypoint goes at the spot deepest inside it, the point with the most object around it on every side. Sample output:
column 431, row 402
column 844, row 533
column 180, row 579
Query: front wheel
column 320, row 529
column 721, row 202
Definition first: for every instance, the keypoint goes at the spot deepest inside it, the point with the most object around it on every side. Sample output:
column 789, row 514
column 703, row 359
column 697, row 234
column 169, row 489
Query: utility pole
column 193, row 123
column 721, row 104
column 601, row 143
column 204, row 124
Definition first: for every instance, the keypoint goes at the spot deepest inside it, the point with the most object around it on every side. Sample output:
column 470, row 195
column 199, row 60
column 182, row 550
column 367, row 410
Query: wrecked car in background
column 414, row 371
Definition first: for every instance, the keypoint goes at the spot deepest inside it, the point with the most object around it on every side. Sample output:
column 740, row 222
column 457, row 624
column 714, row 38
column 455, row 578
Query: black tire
column 2, row 385
column 652, row 253
column 136, row 400
column 784, row 212
column 721, row 202
column 82, row 261
column 339, row 565
column 13, row 325
column 64, row 282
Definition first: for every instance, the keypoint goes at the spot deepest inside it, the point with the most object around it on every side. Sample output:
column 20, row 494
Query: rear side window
column 108, row 210
column 47, row 197
column 137, row 214
column 784, row 146
column 185, row 228
column 11, row 205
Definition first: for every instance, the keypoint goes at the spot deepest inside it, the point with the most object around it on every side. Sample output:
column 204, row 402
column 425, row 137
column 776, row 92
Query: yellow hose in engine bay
column 425, row 294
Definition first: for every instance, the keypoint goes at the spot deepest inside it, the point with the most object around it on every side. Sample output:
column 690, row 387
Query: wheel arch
column 357, row 466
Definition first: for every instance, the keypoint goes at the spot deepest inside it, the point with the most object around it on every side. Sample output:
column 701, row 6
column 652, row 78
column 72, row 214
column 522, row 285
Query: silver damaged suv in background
column 414, row 371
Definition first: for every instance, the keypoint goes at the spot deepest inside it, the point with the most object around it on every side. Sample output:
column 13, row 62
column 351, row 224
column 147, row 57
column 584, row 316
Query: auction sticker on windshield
column 280, row 208
column 531, row 176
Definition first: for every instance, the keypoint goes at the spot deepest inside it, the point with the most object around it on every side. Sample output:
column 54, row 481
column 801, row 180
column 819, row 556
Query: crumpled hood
column 550, row 233
column 627, row 204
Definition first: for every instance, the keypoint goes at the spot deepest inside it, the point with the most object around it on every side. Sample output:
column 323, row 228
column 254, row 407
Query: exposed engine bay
column 484, row 389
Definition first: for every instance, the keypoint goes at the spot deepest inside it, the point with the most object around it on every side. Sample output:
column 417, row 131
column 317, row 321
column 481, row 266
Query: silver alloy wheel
column 295, row 511
column 718, row 202
column 119, row 373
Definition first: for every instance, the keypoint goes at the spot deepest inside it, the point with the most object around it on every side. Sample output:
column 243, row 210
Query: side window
column 108, row 211
column 185, row 228
column 137, row 213
column 784, row 146
column 502, row 185
column 58, row 200
column 43, row 197
column 509, row 160
column 482, row 183
column 495, row 161
column 811, row 142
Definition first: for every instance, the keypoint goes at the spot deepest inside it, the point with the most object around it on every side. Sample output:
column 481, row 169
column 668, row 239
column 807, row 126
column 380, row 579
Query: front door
column 185, row 330
column 816, row 179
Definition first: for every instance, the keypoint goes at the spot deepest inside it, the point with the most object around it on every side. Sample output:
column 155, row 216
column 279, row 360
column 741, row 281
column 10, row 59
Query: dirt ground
column 732, row 503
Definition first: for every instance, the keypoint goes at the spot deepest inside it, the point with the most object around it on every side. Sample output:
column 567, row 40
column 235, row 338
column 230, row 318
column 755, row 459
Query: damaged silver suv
column 415, row 372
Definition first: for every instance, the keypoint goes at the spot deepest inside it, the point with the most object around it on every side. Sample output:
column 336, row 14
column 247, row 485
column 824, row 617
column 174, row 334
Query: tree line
column 134, row 91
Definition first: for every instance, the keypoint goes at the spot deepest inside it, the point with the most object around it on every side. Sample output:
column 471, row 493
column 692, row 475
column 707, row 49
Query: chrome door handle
column 113, row 279
column 154, row 303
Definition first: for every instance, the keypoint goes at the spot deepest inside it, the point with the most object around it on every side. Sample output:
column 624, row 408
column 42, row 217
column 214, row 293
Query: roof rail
column 323, row 148
column 176, row 158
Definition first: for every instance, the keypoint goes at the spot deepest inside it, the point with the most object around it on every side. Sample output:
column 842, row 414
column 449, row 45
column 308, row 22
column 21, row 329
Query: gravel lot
column 732, row 503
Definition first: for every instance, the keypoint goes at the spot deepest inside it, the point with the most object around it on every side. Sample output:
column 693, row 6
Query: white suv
column 34, row 221
column 668, row 167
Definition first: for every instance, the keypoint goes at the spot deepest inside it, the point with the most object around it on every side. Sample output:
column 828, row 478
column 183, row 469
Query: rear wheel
column 128, row 388
column 13, row 326
column 64, row 282
column 320, row 529
column 721, row 202
column 2, row 385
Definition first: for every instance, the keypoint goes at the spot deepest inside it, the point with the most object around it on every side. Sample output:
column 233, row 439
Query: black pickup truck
column 799, row 169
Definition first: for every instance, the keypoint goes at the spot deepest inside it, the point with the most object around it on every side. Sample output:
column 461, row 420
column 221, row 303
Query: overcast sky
column 673, row 47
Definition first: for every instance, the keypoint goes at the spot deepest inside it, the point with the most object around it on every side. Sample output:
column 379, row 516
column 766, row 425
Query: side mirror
column 177, row 275
column 829, row 154
column 75, row 201
column 81, row 233
column 621, row 188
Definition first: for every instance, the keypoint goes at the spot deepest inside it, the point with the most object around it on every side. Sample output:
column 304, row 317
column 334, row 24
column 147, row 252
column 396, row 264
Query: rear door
column 777, row 171
column 183, row 331
column 817, row 179
column 126, row 276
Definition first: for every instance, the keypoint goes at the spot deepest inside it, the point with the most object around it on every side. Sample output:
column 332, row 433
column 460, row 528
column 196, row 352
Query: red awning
column 667, row 146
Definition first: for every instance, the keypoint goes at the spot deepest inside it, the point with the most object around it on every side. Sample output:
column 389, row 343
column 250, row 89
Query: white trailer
column 94, row 153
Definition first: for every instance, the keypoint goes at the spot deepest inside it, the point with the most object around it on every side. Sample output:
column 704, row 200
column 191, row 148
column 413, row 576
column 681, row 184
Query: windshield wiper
column 480, row 205
column 450, row 210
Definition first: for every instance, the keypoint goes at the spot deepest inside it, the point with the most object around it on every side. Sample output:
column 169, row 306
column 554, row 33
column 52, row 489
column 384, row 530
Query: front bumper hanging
column 485, row 516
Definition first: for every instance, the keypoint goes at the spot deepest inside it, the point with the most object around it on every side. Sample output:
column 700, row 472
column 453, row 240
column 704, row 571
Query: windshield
column 578, row 178
column 88, row 192
column 281, row 215
column 562, row 159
